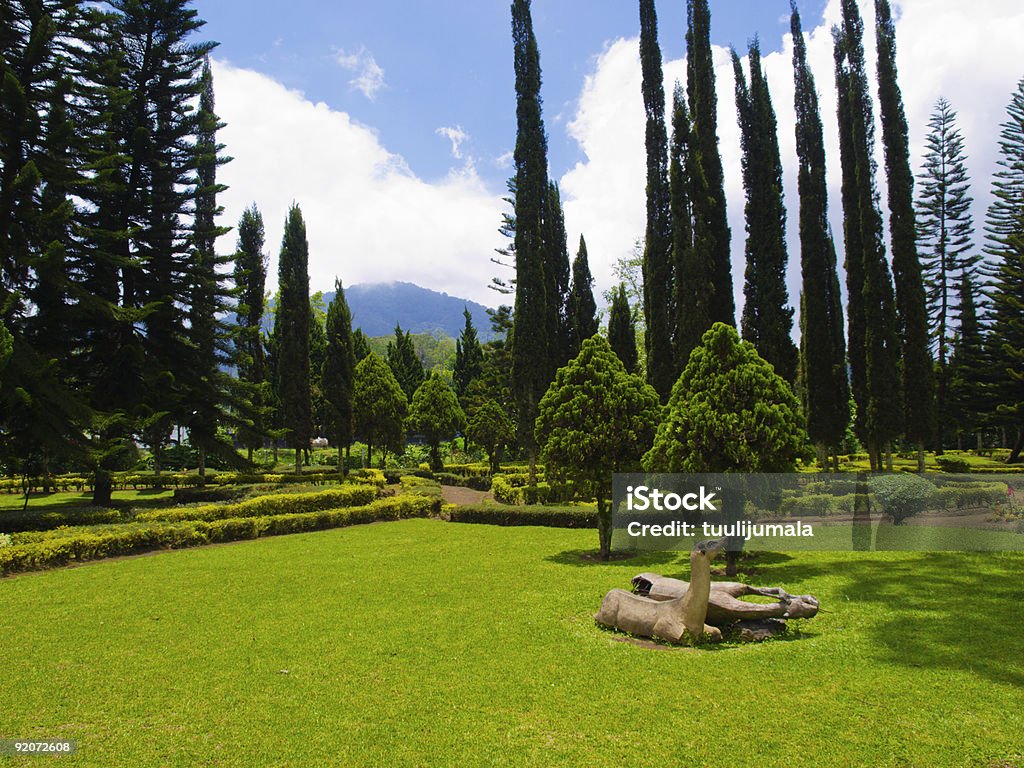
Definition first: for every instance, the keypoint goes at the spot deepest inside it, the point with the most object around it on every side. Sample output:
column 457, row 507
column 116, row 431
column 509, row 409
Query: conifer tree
column 766, row 320
column 911, row 313
column 338, row 375
column 873, row 347
column 582, row 307
column 250, row 278
column 822, row 340
column 291, row 331
column 529, row 341
column 379, row 407
column 657, row 263
column 709, row 207
column 556, row 280
column 970, row 396
column 405, row 363
column 469, row 357
column 621, row 331
column 360, row 344
column 945, row 241
column 317, row 357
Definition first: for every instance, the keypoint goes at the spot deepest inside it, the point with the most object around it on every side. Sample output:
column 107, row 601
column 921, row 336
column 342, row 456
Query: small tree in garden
column 492, row 430
column 436, row 415
column 378, row 407
column 595, row 420
column 902, row 495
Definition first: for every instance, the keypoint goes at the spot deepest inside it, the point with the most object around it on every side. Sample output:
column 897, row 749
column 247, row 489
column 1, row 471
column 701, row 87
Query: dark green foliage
column 595, row 420
column 901, row 495
column 405, row 363
column 491, row 429
column 582, row 309
column 945, row 240
column 317, row 357
column 339, row 370
column 530, row 351
column 291, row 333
column 657, row 264
column 911, row 313
column 1005, row 231
column 729, row 411
column 970, row 379
column 873, row 345
column 360, row 344
column 823, row 346
column 437, row 415
column 766, row 321
column 379, row 407
column 551, row 517
column 556, row 280
column 495, row 381
column 469, row 357
column 250, row 276
column 621, row 331
column 708, row 207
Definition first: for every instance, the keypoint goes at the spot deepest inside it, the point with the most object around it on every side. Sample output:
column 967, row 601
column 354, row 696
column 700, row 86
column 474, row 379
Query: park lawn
column 429, row 643
column 13, row 502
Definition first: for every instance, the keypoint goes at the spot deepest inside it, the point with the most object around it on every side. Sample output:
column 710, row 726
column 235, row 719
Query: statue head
column 709, row 548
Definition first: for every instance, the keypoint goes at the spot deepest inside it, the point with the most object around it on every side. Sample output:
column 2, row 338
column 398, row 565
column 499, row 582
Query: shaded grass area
column 10, row 502
column 426, row 643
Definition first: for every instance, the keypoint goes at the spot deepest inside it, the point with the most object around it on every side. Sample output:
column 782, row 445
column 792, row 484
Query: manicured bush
column 953, row 464
column 210, row 493
column 551, row 517
column 261, row 506
column 476, row 482
column 45, row 520
column 902, row 495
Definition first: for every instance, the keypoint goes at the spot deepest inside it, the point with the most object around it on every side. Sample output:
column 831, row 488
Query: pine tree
column 945, row 241
column 469, row 357
column 556, row 280
column 710, row 206
column 823, row 346
column 621, row 331
column 873, row 347
column 360, row 344
column 1005, row 233
column 582, row 307
column 766, row 320
column 317, row 357
column 657, row 264
column 529, row 341
column 911, row 313
column 405, row 363
column 338, row 375
column 250, row 278
column 291, row 331
column 970, row 381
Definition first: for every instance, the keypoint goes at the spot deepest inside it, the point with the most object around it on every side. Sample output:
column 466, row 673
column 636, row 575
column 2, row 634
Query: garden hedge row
column 261, row 506
column 44, row 520
column 128, row 540
column 507, row 492
column 551, row 517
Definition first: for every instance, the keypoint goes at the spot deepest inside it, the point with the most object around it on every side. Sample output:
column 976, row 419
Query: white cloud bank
column 368, row 217
column 967, row 52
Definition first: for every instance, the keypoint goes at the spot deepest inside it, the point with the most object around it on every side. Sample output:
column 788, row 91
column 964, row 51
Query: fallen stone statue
column 697, row 611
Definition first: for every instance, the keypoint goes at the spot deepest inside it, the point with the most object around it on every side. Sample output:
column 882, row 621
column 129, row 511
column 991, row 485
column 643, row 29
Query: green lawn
column 10, row 502
column 430, row 643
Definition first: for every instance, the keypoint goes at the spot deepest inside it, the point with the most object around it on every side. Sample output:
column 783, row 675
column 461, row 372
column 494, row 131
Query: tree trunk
column 920, row 461
column 298, row 461
column 604, row 525
column 102, row 488
column 533, row 466
column 250, row 454
column 835, row 458
column 821, row 450
column 888, row 459
column 1014, row 456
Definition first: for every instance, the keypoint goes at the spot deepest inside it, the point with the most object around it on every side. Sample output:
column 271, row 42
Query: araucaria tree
column 379, row 407
column 945, row 233
column 250, row 277
column 657, row 263
column 621, row 332
column 1005, row 231
column 582, row 309
column 911, row 315
column 873, row 348
column 767, row 321
column 595, row 420
column 709, row 207
column 436, row 414
column 291, row 333
column 338, row 377
column 824, row 376
column 530, row 351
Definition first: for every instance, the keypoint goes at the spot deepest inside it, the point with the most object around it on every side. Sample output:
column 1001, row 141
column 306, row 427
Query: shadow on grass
column 585, row 557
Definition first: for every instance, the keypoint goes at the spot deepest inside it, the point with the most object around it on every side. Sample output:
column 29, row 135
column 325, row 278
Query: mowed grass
column 13, row 502
column 431, row 643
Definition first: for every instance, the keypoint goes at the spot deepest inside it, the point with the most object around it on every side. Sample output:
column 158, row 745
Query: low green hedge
column 476, row 482
column 468, row 470
column 44, row 520
column 507, row 492
column 551, row 517
column 276, row 504
column 133, row 539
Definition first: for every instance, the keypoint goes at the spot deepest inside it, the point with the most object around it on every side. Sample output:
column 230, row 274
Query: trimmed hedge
column 550, row 517
column 261, row 506
column 128, row 540
column 45, row 520
column 476, row 482
column 953, row 465
column 506, row 491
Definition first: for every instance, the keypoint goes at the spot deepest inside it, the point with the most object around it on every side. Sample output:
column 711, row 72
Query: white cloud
column 947, row 48
column 504, row 160
column 368, row 217
column 368, row 74
column 456, row 136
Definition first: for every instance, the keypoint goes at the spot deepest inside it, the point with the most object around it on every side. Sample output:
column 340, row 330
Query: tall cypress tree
column 709, row 207
column 621, row 331
column 582, row 307
column 338, row 375
column 1005, row 232
column 873, row 341
column 250, row 278
column 469, row 357
column 823, row 346
column 945, row 241
column 291, row 332
column 405, row 363
column 556, row 280
column 766, row 321
column 529, row 341
column 657, row 263
column 911, row 313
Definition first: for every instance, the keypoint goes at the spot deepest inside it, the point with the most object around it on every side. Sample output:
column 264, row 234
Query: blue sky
column 391, row 123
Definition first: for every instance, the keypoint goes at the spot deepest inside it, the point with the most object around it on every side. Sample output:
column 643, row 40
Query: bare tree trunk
column 202, row 467
column 298, row 461
column 1014, row 456
column 920, row 461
